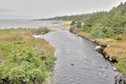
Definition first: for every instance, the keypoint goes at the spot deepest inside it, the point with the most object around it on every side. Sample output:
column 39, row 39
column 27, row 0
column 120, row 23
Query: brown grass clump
column 117, row 50
column 81, row 33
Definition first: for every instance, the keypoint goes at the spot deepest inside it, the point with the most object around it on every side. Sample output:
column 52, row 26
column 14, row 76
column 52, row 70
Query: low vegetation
column 23, row 58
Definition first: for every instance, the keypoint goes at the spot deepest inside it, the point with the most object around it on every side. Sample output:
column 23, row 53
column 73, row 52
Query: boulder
column 114, row 68
column 71, row 29
column 121, row 79
column 97, row 48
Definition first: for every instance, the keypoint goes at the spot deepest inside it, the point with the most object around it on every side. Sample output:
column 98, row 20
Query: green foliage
column 73, row 22
column 121, row 65
column 39, row 30
column 6, row 49
column 81, row 17
column 109, row 32
column 110, row 23
column 78, row 24
column 97, row 32
column 26, row 66
column 119, row 37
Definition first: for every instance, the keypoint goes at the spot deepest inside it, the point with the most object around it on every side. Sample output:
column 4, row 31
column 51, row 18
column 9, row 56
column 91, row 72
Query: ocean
column 6, row 24
column 52, row 24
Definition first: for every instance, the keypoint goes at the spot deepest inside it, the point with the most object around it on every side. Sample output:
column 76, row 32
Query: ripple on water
column 90, row 67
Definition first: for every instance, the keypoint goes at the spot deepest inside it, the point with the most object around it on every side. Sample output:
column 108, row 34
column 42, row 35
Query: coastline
column 101, row 50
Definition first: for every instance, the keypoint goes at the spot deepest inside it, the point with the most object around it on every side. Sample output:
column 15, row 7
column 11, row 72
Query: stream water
column 89, row 66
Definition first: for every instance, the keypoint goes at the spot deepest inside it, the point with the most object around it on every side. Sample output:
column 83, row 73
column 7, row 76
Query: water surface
column 90, row 66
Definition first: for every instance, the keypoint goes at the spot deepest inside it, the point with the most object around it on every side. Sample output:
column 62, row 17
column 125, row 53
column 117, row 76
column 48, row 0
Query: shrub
column 26, row 66
column 73, row 22
column 78, row 24
column 119, row 37
column 109, row 32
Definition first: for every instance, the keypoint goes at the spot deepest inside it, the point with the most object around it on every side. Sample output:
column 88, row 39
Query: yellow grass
column 16, row 35
column 66, row 24
column 117, row 48
column 81, row 33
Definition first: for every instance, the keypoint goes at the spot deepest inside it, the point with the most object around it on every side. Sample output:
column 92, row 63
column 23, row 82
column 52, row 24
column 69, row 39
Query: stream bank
column 89, row 66
column 121, row 78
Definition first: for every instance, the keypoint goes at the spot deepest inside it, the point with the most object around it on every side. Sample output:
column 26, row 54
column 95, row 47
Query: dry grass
column 45, row 46
column 66, row 24
column 117, row 49
column 81, row 33
column 106, row 41
column 22, row 35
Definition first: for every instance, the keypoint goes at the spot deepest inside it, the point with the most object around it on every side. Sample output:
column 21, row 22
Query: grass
column 12, row 40
column 66, row 24
column 117, row 49
column 20, row 38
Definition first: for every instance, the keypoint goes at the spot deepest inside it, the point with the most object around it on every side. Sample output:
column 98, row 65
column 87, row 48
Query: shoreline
column 101, row 50
column 121, row 77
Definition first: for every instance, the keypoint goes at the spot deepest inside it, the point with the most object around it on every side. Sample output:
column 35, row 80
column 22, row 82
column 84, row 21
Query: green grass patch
column 121, row 65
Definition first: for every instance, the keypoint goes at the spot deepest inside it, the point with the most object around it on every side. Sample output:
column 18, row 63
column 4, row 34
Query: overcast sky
column 37, row 9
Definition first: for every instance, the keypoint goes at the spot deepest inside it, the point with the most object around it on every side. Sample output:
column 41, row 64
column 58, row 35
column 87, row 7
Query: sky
column 37, row 9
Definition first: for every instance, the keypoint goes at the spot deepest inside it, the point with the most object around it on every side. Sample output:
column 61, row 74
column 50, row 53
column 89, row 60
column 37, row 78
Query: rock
column 106, row 56
column 72, row 63
column 92, row 40
column 77, row 35
column 120, row 79
column 97, row 48
column 114, row 68
column 71, row 29
column 110, row 59
column 108, row 45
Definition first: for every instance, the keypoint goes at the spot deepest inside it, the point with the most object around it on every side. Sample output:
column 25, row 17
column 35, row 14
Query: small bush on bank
column 73, row 22
column 119, row 37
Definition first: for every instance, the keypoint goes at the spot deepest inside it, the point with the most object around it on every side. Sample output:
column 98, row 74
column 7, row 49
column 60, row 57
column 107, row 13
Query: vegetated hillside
column 106, row 24
column 72, row 17
column 101, row 24
column 108, row 28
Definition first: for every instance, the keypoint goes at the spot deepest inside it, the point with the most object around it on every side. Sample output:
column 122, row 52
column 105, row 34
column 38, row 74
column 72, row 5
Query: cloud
column 5, row 10
column 51, row 8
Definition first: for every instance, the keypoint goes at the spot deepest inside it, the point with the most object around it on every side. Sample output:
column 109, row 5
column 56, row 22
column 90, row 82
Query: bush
column 119, row 37
column 73, row 22
column 78, row 24
column 27, row 67
column 97, row 32
column 109, row 32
